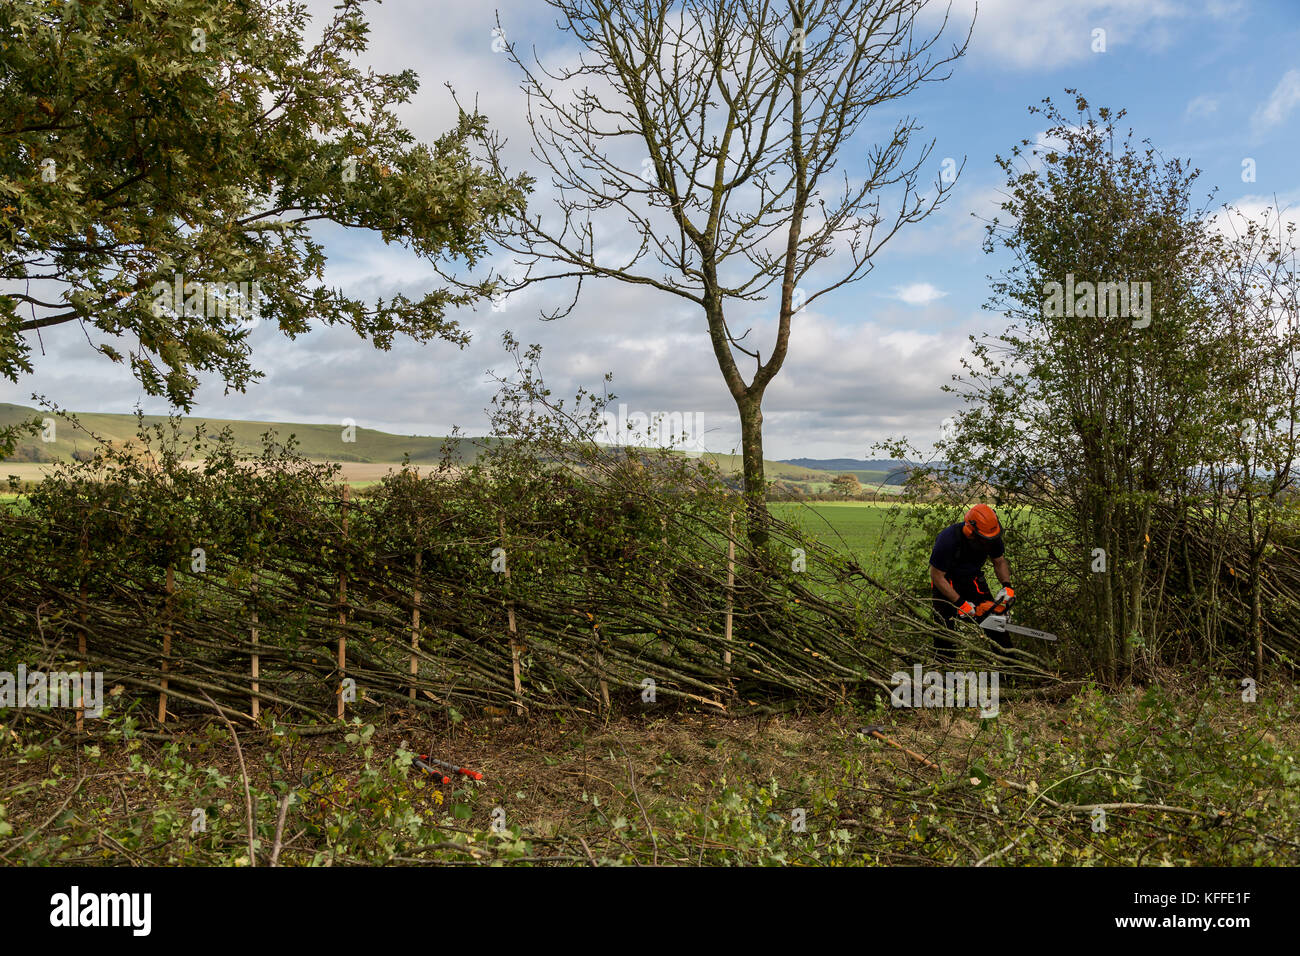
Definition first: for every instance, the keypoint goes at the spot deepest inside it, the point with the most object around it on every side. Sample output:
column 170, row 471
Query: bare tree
column 1257, row 289
column 715, row 129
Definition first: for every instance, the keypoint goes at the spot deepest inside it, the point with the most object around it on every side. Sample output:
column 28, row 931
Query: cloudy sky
column 1214, row 81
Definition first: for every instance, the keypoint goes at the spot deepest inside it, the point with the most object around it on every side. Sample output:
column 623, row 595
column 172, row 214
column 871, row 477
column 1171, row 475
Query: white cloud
column 1225, row 9
column 1202, row 106
column 1284, row 98
column 1049, row 34
column 1257, row 208
column 917, row 293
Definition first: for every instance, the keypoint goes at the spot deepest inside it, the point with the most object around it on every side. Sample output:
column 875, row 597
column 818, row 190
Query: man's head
column 982, row 528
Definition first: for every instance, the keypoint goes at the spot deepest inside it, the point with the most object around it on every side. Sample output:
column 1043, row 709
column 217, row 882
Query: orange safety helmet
column 982, row 525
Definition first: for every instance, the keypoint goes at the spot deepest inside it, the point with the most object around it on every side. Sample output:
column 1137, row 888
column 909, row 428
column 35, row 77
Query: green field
column 869, row 530
column 729, row 464
column 825, row 486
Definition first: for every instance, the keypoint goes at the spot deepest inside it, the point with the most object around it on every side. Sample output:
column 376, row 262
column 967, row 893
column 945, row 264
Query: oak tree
column 164, row 164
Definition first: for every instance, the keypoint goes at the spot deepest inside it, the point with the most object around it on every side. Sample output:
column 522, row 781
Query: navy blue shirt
column 957, row 557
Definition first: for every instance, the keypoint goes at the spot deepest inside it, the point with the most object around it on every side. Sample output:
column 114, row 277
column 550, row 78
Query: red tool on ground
column 437, row 775
column 435, row 767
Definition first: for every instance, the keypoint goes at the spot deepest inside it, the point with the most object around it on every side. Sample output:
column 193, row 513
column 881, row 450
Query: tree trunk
column 751, row 439
column 1258, row 541
column 1256, row 616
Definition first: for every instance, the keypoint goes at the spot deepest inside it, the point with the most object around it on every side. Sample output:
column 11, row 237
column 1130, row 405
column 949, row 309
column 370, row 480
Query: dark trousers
column 971, row 588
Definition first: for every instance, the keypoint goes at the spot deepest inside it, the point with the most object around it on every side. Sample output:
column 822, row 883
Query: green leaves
column 1119, row 425
column 165, row 141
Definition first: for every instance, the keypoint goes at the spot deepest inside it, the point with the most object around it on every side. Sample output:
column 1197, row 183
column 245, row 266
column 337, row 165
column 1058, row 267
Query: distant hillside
column 789, row 471
column 868, row 471
column 319, row 442
column 325, row 443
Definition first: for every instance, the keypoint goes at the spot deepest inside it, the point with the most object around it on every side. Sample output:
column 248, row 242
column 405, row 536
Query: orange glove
column 1006, row 597
column 966, row 609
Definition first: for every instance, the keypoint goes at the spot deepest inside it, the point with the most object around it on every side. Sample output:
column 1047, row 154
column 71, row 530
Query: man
column 957, row 585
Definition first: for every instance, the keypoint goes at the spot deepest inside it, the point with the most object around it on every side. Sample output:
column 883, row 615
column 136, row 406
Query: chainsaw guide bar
column 1002, row 624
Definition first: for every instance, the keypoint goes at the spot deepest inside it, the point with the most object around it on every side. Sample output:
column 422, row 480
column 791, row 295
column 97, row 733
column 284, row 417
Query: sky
column 1214, row 82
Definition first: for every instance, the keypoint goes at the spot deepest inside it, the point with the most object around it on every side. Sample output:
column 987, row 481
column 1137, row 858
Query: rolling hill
column 318, row 442
column 873, row 471
column 370, row 447
column 315, row 441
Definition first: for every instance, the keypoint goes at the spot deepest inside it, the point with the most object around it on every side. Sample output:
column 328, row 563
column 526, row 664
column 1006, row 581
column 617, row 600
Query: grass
column 825, row 486
column 1185, row 773
column 869, row 530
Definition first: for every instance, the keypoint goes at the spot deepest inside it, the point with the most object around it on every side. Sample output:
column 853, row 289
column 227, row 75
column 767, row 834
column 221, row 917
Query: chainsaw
column 998, row 618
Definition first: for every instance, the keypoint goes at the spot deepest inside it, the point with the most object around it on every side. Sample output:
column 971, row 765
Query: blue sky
column 1211, row 81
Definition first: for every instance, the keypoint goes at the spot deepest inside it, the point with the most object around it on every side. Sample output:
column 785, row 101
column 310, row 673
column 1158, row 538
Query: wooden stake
column 167, row 646
column 343, row 612
column 415, row 625
column 257, row 659
column 81, row 619
column 731, row 587
column 81, row 652
column 665, row 647
column 514, row 634
column 600, row 669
